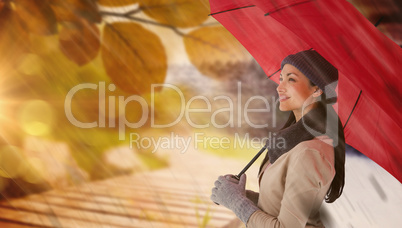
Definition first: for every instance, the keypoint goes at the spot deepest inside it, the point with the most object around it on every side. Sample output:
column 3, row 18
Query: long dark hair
column 335, row 132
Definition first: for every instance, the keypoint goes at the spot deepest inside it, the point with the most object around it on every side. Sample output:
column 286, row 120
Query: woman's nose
column 280, row 88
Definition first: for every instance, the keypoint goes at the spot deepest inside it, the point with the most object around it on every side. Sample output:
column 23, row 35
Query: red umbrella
column 369, row 97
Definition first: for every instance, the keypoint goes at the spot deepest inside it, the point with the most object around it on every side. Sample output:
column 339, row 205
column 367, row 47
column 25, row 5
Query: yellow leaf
column 215, row 52
column 133, row 57
column 179, row 13
column 80, row 44
column 37, row 16
column 117, row 3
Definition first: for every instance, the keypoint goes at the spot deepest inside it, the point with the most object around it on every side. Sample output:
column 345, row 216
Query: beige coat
column 293, row 188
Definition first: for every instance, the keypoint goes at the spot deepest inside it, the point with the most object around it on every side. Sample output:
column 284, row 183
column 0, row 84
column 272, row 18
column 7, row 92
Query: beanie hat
column 322, row 73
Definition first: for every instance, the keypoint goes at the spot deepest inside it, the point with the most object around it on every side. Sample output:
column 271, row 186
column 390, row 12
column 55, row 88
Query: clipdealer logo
column 237, row 111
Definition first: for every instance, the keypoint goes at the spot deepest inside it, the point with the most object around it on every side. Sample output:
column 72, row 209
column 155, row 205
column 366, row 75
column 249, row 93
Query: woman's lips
column 283, row 98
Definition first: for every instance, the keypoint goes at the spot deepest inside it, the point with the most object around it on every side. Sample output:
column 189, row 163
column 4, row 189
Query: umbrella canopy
column 369, row 97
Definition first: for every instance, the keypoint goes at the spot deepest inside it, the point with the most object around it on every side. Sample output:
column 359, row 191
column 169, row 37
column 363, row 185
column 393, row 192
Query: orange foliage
column 180, row 13
column 213, row 50
column 47, row 47
column 37, row 17
column 80, row 43
column 133, row 57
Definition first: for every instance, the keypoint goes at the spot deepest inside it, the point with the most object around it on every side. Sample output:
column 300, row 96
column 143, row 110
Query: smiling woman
column 295, row 179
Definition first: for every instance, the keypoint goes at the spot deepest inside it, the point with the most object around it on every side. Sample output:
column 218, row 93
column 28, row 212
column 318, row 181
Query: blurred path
column 174, row 197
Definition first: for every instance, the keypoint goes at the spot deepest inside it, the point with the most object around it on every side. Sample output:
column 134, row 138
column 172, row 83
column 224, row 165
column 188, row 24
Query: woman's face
column 294, row 90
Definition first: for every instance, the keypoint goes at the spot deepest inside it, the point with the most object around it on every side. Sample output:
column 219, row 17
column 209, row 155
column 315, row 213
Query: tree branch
column 173, row 28
column 131, row 12
column 130, row 17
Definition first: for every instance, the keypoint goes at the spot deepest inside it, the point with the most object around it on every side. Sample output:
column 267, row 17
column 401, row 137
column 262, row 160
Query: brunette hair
column 336, row 188
column 335, row 132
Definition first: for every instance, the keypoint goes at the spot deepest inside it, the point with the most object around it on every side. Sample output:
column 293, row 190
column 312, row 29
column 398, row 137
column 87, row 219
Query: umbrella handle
column 237, row 177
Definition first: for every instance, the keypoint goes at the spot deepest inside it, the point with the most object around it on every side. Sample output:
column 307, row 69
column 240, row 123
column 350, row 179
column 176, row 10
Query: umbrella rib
column 230, row 10
column 274, row 73
column 353, row 109
column 379, row 21
column 288, row 6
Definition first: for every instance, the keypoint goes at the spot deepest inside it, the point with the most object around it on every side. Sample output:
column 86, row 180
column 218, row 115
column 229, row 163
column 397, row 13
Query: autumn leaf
column 80, row 43
column 179, row 13
column 133, row 57
column 87, row 9
column 214, row 51
column 13, row 41
column 115, row 3
column 2, row 4
column 70, row 10
column 37, row 16
column 63, row 11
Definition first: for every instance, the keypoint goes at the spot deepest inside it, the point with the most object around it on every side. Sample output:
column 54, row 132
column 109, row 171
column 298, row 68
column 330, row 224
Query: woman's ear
column 317, row 92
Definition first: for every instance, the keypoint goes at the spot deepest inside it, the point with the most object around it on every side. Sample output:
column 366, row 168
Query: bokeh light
column 36, row 117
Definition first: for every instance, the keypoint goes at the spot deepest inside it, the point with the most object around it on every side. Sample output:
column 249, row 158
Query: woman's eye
column 292, row 80
column 280, row 79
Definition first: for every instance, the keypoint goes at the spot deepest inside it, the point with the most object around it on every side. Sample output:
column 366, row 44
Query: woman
column 295, row 178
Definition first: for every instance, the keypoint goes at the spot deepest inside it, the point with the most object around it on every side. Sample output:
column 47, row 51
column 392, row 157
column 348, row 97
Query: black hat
column 322, row 73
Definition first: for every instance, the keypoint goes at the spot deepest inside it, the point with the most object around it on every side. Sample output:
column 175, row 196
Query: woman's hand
column 232, row 178
column 227, row 188
column 232, row 194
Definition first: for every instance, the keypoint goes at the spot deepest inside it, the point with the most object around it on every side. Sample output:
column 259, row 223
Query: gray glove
column 233, row 196
column 251, row 195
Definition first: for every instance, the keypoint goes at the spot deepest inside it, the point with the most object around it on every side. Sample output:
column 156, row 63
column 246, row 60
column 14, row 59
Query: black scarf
column 295, row 132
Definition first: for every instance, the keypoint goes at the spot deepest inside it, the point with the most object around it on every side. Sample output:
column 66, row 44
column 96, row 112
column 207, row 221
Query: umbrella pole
column 250, row 163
